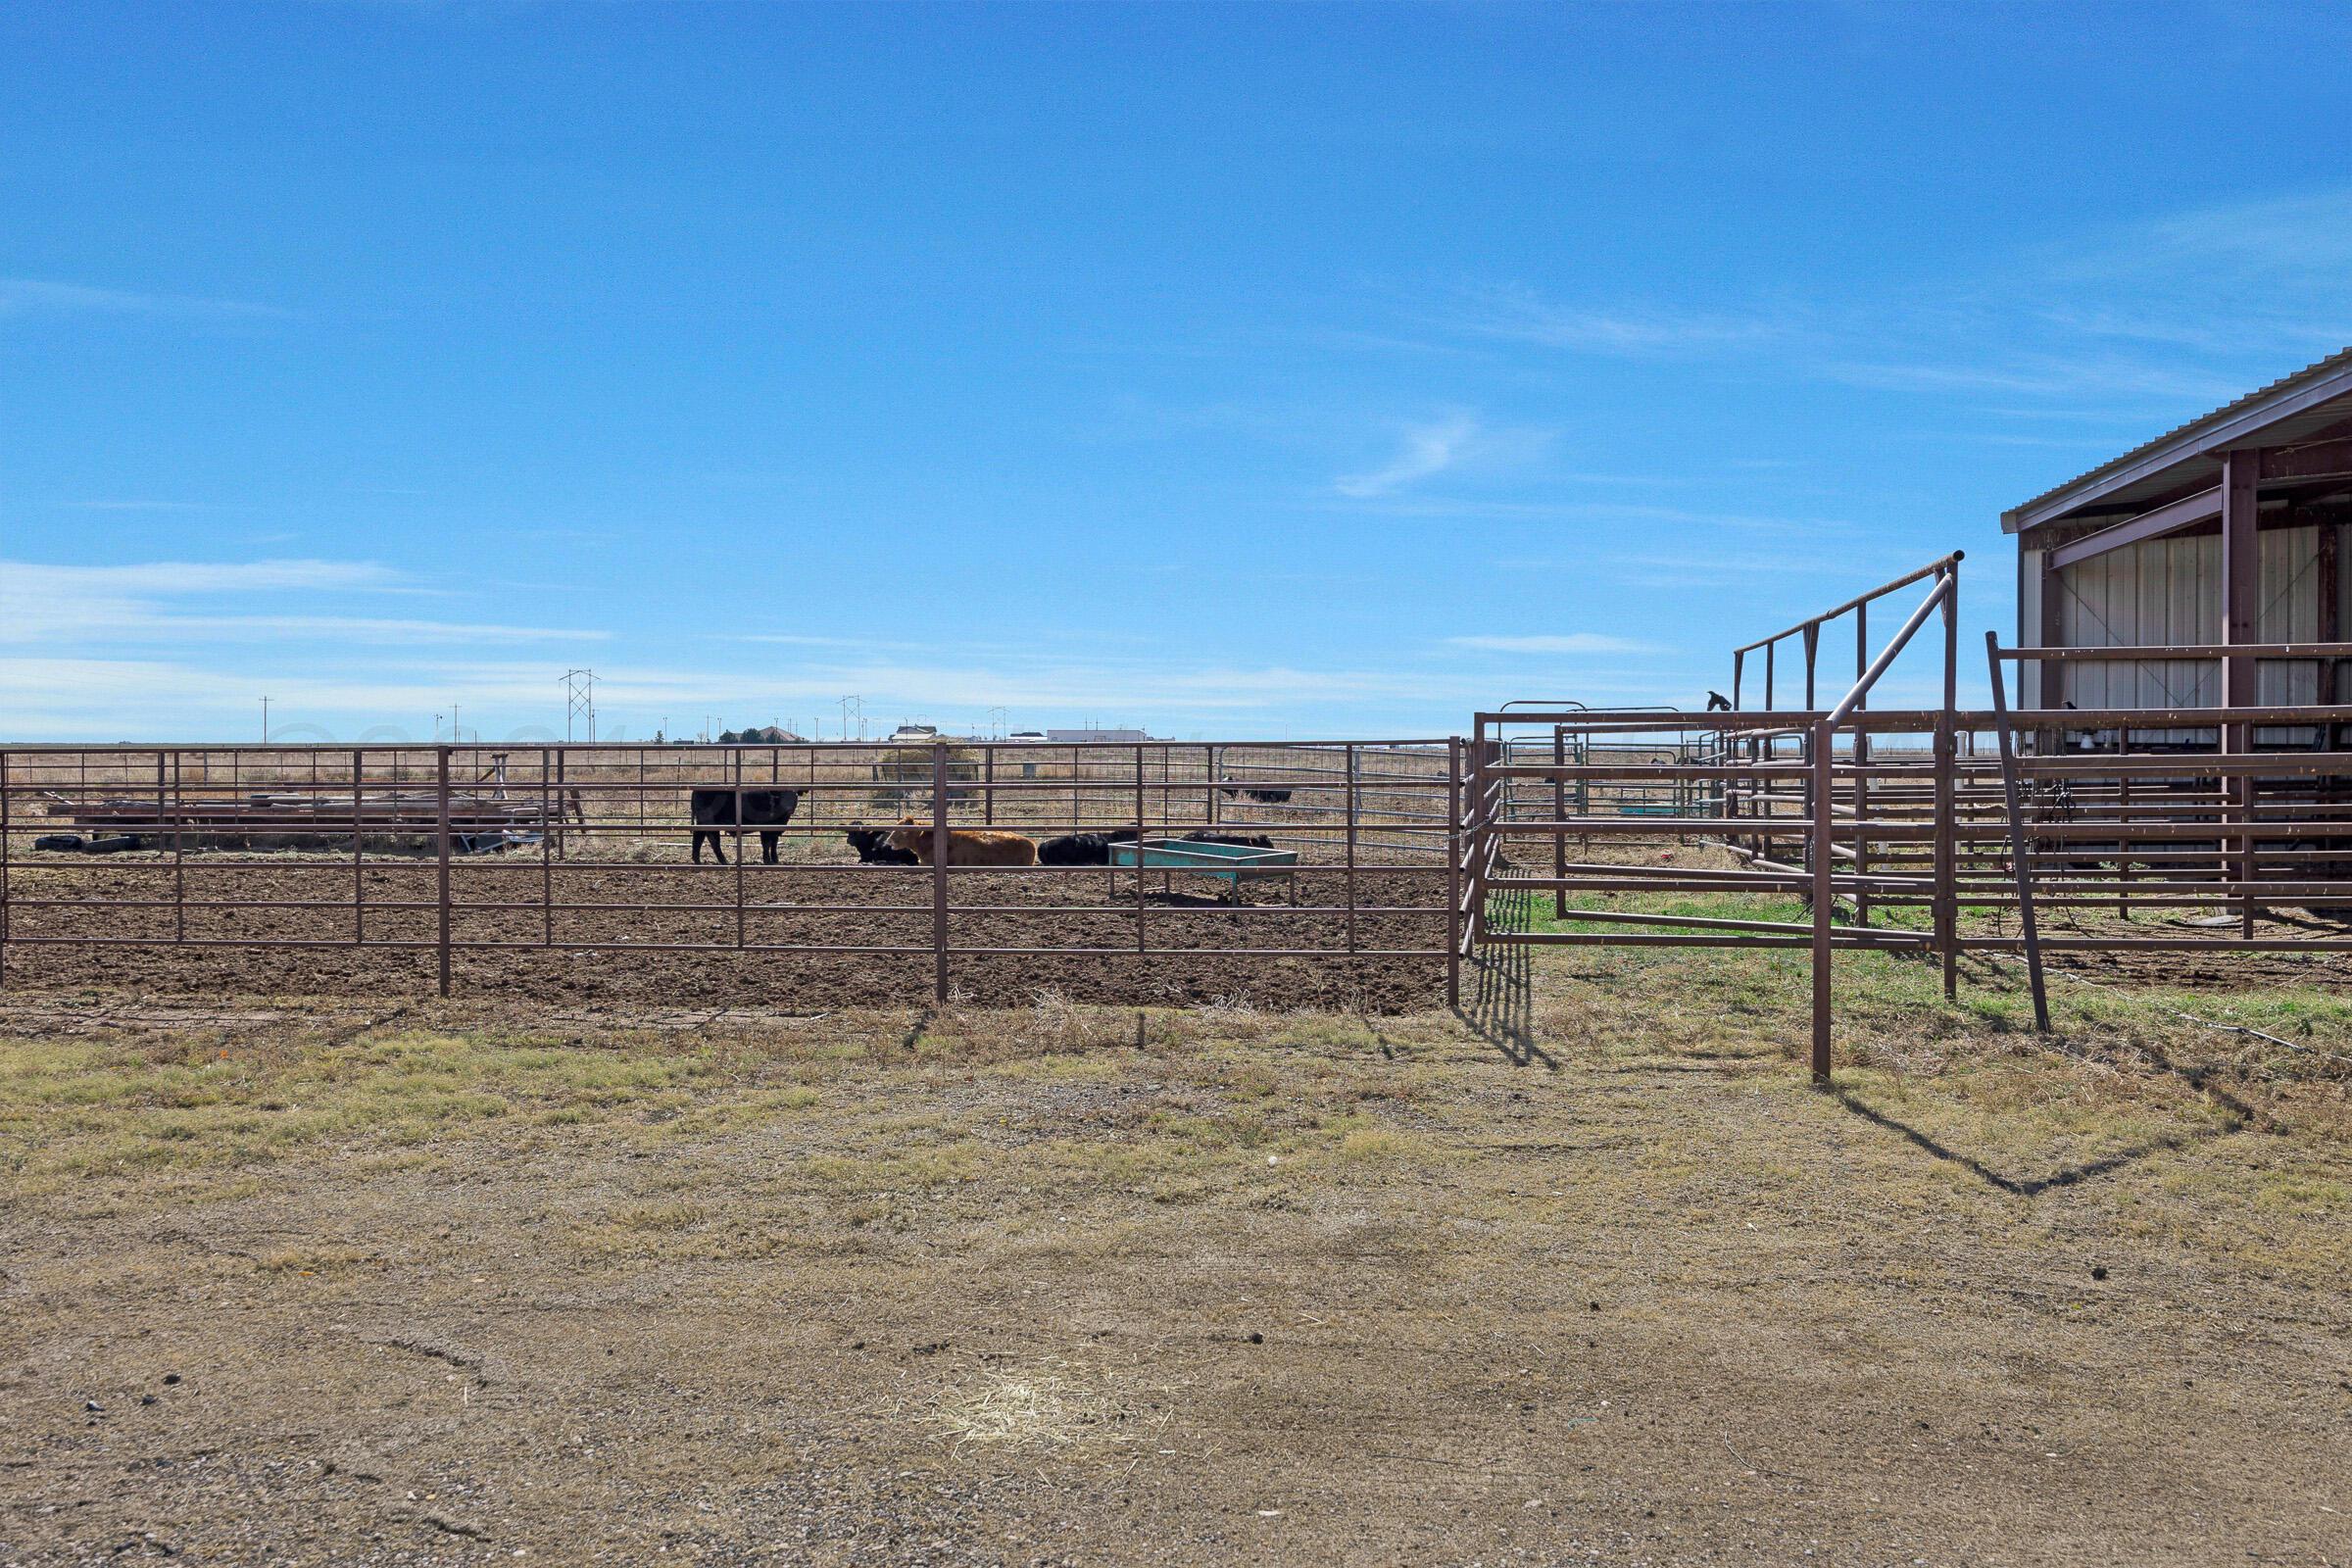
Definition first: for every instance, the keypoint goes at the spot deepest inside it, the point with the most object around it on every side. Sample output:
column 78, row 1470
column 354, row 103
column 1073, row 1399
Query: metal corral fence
column 450, row 849
column 1889, row 826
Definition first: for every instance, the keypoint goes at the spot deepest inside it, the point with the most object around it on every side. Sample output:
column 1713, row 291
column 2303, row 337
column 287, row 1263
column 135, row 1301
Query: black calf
column 716, row 809
column 872, row 845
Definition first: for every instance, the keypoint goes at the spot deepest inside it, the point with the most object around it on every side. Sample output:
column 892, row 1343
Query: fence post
column 1861, row 757
column 2019, row 853
column 739, row 846
column 180, row 840
column 1480, row 828
column 1947, row 768
column 441, row 838
column 359, row 829
column 1559, row 813
column 1947, row 849
column 1823, row 897
column 938, row 871
column 547, row 865
column 1454, row 871
column 1140, row 943
column 7, row 853
column 1352, row 815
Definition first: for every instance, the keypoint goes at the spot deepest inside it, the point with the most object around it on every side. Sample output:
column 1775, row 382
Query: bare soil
column 579, row 948
column 300, row 1283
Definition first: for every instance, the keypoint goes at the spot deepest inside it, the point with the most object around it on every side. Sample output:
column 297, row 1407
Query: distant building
column 1068, row 737
column 915, row 732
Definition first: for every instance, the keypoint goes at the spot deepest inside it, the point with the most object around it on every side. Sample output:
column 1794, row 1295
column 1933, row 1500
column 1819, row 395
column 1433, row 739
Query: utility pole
column 265, row 721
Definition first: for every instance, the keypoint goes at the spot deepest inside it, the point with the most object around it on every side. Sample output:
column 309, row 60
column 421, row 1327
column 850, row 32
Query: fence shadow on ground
column 2022, row 1185
column 1499, row 1007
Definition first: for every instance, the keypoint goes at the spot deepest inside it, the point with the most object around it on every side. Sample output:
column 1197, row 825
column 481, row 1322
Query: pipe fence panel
column 1333, row 849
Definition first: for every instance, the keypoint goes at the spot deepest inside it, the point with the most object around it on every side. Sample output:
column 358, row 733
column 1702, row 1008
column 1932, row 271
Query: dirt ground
column 1585, row 1274
column 600, row 940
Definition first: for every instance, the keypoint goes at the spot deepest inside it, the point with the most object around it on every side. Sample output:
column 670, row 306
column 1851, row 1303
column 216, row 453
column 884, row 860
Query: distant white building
column 1068, row 737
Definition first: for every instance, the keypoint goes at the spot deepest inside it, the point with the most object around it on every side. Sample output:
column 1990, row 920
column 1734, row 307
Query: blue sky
column 1244, row 372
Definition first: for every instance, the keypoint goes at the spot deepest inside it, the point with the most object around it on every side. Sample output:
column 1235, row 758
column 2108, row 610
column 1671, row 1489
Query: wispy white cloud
column 1575, row 642
column 31, row 296
column 2152, row 321
column 1518, row 314
column 2091, row 375
column 2301, row 236
column 1426, row 449
column 158, row 601
column 141, row 505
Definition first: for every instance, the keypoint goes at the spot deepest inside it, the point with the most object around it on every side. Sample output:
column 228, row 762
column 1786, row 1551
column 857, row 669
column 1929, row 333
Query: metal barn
column 2228, row 531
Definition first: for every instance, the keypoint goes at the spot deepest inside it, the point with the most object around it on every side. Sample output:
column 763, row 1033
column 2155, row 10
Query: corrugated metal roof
column 2192, row 458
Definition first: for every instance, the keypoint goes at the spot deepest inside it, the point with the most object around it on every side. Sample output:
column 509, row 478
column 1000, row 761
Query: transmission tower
column 579, row 703
column 853, row 709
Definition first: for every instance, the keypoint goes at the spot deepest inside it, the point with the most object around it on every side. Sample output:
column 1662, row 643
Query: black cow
column 872, row 845
column 716, row 809
column 1271, row 797
column 1094, row 849
column 1079, row 849
column 1247, row 841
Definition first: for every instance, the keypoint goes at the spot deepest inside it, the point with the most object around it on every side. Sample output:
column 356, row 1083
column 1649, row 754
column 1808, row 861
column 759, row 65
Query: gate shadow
column 1500, row 1006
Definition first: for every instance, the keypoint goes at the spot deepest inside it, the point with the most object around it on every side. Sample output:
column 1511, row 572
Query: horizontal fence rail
column 599, row 848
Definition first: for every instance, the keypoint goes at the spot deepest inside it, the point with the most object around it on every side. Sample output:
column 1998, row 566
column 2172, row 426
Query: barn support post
column 441, row 868
column 2019, row 851
column 2331, row 628
column 1454, row 871
column 2052, row 680
column 1824, row 740
column 2242, row 571
column 938, row 871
